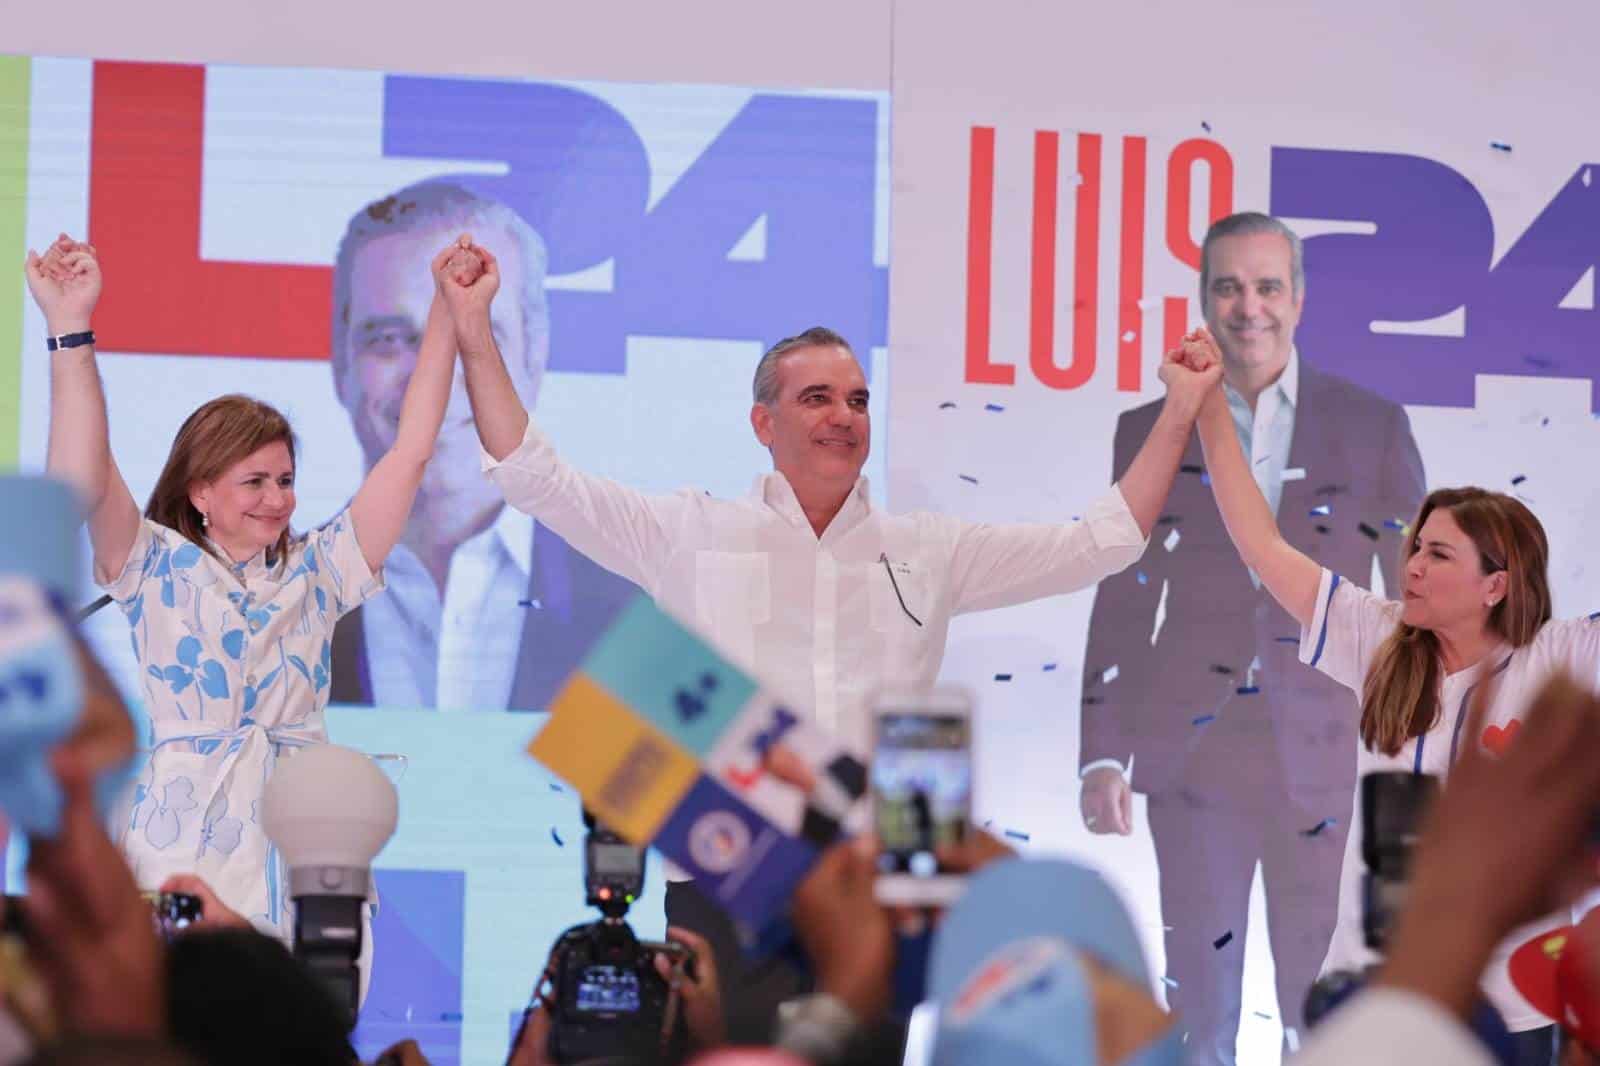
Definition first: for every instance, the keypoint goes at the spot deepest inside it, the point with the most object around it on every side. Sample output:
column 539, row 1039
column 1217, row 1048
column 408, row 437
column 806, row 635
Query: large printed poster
column 267, row 231
column 1052, row 192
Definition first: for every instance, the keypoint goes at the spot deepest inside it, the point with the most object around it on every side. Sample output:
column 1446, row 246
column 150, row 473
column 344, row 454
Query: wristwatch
column 69, row 340
column 818, row 1027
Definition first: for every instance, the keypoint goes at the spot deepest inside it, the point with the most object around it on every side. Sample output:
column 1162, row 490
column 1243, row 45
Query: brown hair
column 219, row 433
column 1400, row 698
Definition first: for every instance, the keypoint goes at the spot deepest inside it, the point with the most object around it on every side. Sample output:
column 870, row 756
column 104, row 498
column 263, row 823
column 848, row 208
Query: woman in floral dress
column 232, row 614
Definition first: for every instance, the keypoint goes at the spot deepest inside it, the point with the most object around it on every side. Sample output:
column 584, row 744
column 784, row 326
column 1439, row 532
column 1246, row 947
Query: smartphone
column 173, row 911
column 921, row 790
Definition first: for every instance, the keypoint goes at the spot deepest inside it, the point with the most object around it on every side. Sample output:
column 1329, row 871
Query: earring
column 205, row 520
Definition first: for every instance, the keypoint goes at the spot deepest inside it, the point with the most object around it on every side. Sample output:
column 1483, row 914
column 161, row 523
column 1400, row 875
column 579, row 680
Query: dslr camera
column 610, row 1002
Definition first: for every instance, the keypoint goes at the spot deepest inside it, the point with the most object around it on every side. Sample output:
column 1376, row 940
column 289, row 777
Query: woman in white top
column 232, row 615
column 1475, row 606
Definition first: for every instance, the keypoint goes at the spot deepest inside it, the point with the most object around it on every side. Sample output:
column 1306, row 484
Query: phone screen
column 922, row 787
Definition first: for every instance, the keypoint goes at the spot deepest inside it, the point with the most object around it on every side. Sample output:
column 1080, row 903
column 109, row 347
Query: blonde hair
column 1400, row 698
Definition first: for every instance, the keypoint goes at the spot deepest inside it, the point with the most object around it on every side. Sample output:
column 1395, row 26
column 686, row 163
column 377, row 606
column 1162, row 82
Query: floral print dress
column 235, row 665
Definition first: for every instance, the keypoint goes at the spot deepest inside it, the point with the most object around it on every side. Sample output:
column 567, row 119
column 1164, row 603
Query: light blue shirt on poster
column 1266, row 433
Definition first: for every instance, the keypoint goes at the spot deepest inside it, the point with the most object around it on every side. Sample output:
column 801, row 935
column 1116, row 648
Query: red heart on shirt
column 1497, row 739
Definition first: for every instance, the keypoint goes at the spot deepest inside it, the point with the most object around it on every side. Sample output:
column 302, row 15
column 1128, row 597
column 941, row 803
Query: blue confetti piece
column 1204, row 718
column 1205, row 479
column 1326, row 823
column 1205, row 126
column 1002, row 677
column 968, row 477
column 1366, row 530
column 1169, row 982
column 1500, row 146
column 1191, row 468
column 1017, row 834
column 1143, row 580
column 993, row 407
column 1519, row 479
column 1541, row 363
column 530, row 603
column 1394, row 524
column 1286, row 640
column 1049, row 667
column 556, row 788
column 947, row 405
column 1223, row 941
column 557, row 838
column 1225, row 671
column 1592, row 617
column 1248, row 690
column 1262, row 1014
column 988, row 823
column 451, row 1016
column 1322, row 510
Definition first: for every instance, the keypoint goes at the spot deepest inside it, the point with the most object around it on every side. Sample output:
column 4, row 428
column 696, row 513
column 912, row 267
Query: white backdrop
column 1251, row 76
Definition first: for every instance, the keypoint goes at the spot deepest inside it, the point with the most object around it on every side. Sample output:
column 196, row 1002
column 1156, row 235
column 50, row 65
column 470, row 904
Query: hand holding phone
column 922, row 791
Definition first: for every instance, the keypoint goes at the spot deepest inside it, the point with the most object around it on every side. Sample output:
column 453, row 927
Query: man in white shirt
column 485, row 609
column 804, row 582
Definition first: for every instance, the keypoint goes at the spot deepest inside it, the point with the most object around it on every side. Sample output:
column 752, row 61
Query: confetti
column 557, row 838
column 994, row 407
column 1171, row 541
column 947, row 405
column 1291, row 1038
column 1248, row 690
column 1223, row 940
column 968, row 477
column 1205, row 479
column 1110, row 675
column 556, row 788
column 1169, row 982
column 1321, row 510
column 1143, row 580
column 1002, row 677
column 530, row 603
column 1324, row 529
column 1542, row 364
column 1262, row 1014
column 1367, row 531
column 1049, row 667
column 1204, row 718
column 1287, row 640
column 1017, row 834
column 1326, row 823
column 1205, row 125
column 1192, row 468
column 1585, row 177
column 1168, row 520
column 1500, row 146
column 1395, row 524
column 1329, row 490
column 1129, row 336
column 1592, row 617
column 988, row 822
column 1092, row 701
column 1294, row 473
column 1519, row 479
column 1225, row 671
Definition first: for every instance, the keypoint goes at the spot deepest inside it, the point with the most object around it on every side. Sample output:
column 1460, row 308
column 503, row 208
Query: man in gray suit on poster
column 1193, row 694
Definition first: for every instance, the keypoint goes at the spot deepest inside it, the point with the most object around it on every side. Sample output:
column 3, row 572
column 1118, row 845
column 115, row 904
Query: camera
column 1393, row 804
column 610, row 1002
column 174, row 912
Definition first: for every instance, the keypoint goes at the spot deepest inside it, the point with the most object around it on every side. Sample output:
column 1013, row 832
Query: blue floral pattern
column 236, row 661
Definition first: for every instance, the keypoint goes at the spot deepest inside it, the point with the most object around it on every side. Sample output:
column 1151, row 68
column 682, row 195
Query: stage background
column 477, row 881
column 1442, row 272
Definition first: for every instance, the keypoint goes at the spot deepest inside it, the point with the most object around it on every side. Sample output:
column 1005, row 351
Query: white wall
column 817, row 44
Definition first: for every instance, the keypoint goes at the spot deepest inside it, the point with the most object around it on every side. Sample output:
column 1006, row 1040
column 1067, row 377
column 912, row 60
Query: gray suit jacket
column 1361, row 461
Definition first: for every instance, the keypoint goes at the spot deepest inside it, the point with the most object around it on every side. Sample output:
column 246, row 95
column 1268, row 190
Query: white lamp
column 330, row 810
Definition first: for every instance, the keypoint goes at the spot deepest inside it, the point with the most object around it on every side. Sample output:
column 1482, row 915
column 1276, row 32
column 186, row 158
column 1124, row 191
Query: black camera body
column 610, row 1000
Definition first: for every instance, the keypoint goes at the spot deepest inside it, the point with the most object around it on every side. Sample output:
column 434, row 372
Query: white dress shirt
column 459, row 652
column 1349, row 626
column 1391, row 1027
column 817, row 619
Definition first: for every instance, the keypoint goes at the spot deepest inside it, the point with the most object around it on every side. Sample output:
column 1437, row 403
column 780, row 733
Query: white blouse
column 235, row 662
column 1343, row 639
